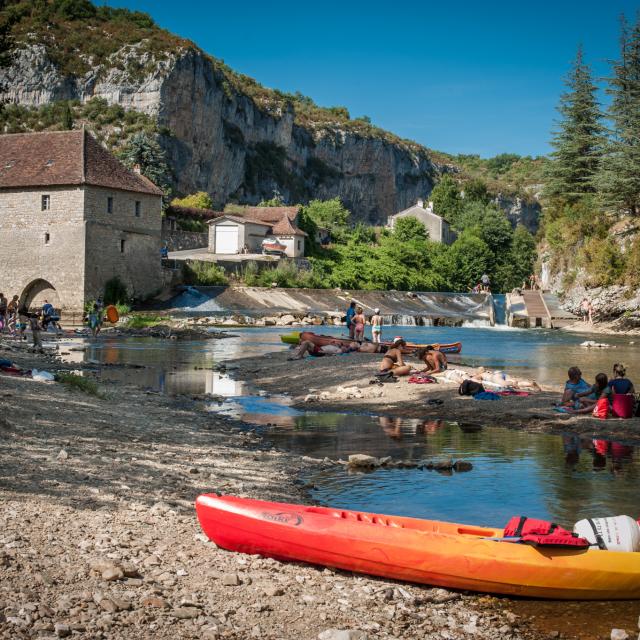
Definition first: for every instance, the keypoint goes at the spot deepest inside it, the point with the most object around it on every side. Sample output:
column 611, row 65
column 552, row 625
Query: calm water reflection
column 561, row 478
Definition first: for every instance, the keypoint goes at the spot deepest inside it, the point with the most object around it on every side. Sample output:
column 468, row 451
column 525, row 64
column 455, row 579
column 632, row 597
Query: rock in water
column 363, row 461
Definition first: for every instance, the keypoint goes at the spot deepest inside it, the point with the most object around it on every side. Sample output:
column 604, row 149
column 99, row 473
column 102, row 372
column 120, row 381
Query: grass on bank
column 142, row 321
column 79, row 383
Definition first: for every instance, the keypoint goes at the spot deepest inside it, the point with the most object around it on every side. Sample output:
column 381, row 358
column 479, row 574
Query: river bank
column 99, row 537
column 342, row 383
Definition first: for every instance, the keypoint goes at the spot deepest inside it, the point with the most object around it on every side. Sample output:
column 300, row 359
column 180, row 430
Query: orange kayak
column 425, row 551
column 323, row 340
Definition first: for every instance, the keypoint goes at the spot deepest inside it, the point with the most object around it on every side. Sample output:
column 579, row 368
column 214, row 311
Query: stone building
column 437, row 227
column 72, row 217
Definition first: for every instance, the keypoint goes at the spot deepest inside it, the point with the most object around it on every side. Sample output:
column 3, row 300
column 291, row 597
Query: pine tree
column 619, row 180
column 579, row 140
column 145, row 151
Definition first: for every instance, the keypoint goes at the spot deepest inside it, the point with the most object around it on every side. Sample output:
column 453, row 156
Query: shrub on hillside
column 206, row 274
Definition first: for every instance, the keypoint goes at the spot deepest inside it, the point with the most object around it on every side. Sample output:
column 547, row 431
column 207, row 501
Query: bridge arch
column 37, row 291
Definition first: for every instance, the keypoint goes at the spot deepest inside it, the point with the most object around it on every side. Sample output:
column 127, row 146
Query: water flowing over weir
column 249, row 304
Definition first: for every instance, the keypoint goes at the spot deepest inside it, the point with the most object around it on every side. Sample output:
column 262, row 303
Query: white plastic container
column 619, row 533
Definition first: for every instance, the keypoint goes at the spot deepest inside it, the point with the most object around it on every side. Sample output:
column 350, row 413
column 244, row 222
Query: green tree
column 198, row 200
column 469, row 257
column 476, row 190
column 409, row 228
column 578, row 142
column 446, row 199
column 145, row 151
column 6, row 41
column 521, row 259
column 67, row 117
column 497, row 233
column 619, row 180
column 329, row 214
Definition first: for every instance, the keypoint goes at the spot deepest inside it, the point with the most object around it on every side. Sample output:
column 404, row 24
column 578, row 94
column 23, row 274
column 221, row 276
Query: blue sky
column 461, row 77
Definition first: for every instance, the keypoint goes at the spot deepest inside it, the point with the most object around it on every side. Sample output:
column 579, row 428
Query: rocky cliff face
column 228, row 144
column 520, row 211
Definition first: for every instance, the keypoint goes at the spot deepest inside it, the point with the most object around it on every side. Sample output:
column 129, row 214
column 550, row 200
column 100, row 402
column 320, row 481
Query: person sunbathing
column 335, row 347
column 392, row 363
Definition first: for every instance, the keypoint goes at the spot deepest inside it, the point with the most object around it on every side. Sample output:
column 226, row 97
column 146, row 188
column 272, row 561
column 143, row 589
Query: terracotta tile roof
column 240, row 219
column 53, row 158
column 284, row 227
column 193, row 212
column 271, row 214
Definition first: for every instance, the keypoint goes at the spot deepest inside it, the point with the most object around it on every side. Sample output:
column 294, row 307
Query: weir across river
column 396, row 307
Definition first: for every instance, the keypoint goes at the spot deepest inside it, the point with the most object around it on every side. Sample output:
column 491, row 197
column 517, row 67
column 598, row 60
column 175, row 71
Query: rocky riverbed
column 99, row 538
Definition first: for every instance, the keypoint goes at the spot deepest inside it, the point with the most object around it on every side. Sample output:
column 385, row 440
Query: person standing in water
column 351, row 327
column 376, row 326
column 359, row 321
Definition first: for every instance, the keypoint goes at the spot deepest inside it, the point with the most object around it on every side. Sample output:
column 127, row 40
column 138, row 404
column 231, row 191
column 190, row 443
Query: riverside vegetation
column 592, row 184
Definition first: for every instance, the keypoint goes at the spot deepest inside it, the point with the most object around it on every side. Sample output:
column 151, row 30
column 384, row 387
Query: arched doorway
column 37, row 291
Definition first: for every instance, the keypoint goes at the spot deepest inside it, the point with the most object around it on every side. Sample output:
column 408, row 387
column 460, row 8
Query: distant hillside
column 223, row 132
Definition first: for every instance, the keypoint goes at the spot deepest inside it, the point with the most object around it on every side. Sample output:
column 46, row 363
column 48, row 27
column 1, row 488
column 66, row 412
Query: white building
column 437, row 227
column 252, row 228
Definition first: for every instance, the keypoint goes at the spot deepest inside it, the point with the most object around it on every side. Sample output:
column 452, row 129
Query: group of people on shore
column 581, row 397
column 356, row 321
column 15, row 318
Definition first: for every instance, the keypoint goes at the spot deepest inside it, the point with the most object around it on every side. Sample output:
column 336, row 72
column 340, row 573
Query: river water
column 563, row 478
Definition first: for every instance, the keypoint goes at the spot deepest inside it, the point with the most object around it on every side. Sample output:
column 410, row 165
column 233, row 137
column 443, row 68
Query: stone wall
column 122, row 243
column 28, row 256
column 181, row 240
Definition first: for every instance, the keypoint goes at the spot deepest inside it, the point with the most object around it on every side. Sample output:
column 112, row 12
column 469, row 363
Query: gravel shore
column 99, row 538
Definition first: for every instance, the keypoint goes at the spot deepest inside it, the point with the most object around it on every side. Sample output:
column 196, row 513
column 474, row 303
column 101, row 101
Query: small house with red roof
column 72, row 217
column 258, row 230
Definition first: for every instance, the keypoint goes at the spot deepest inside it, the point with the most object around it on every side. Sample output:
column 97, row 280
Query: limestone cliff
column 222, row 140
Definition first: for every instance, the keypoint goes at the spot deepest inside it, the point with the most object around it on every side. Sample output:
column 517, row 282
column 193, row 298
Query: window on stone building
column 299, row 245
column 121, row 246
column 109, row 204
column 47, row 237
column 46, row 203
column 137, row 208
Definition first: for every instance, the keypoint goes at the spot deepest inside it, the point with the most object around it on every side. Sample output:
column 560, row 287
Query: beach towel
column 512, row 392
column 486, row 395
column 421, row 378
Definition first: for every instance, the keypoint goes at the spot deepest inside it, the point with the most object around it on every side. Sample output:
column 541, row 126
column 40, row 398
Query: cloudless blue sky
column 462, row 77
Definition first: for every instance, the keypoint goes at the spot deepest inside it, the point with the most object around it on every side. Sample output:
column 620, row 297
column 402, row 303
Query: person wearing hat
column 376, row 326
column 392, row 363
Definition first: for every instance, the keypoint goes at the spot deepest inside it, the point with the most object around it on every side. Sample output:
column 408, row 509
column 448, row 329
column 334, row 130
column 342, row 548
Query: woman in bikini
column 359, row 321
column 435, row 360
column 393, row 362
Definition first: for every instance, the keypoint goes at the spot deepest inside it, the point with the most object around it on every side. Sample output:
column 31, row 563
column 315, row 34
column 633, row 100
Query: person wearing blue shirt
column 620, row 383
column 575, row 385
column 351, row 311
